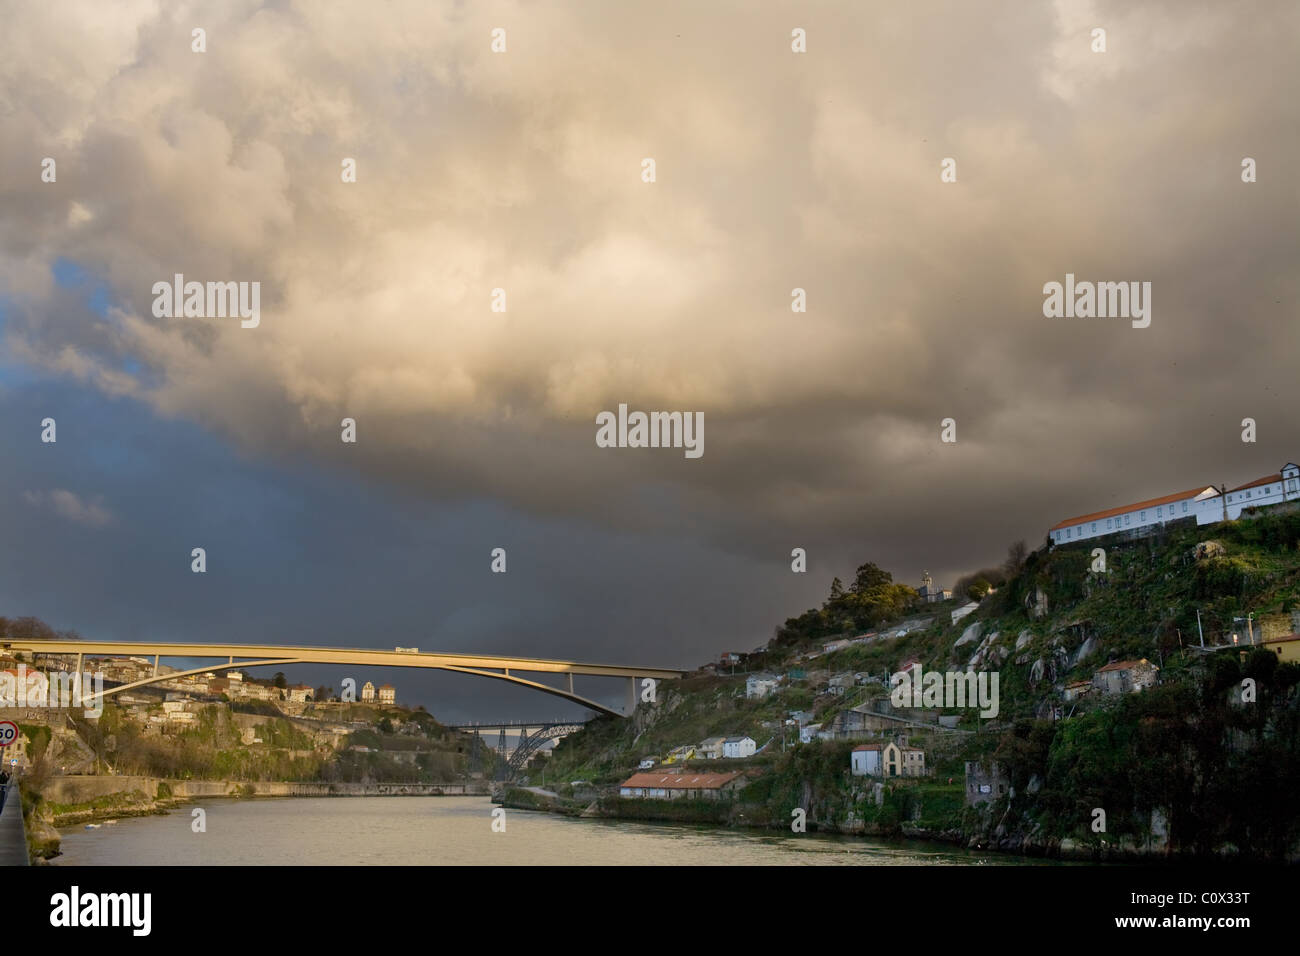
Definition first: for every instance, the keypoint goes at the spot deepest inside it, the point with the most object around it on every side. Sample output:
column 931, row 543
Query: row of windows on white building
column 1207, row 505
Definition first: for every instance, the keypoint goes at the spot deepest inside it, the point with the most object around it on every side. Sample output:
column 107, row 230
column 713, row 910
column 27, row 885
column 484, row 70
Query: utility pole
column 1250, row 626
column 1198, row 628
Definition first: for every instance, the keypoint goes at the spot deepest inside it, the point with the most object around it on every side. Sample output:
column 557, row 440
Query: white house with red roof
column 1206, row 504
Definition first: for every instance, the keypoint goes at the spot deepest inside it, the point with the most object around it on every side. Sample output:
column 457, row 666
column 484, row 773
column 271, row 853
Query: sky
column 522, row 170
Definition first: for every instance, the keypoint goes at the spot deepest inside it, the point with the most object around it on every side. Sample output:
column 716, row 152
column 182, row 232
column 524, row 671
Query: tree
column 1016, row 555
column 279, row 680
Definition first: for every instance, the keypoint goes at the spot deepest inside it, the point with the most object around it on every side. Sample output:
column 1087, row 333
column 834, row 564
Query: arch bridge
column 243, row 656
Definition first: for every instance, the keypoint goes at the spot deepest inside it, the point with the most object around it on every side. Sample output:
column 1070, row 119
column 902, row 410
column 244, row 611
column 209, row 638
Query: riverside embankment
column 73, row 800
column 743, row 816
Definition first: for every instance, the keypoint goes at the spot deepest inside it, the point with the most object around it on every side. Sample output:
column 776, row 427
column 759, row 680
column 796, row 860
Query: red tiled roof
column 1111, row 512
column 1266, row 480
column 862, row 747
column 680, row 781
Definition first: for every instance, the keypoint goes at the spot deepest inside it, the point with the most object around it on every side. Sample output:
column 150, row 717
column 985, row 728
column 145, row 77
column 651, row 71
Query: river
column 403, row 831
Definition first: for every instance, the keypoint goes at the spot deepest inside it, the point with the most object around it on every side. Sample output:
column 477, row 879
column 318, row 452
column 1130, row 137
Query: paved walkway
column 13, row 838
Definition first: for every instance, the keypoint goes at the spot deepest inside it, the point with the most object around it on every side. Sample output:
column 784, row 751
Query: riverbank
column 75, row 800
column 740, row 816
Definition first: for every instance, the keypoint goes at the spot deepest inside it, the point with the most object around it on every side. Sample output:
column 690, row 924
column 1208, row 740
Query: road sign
column 8, row 732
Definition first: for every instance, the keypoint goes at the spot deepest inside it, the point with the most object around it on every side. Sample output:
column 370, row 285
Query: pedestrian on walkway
column 4, row 788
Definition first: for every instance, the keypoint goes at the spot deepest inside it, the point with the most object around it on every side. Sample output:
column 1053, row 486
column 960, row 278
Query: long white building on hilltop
column 1206, row 504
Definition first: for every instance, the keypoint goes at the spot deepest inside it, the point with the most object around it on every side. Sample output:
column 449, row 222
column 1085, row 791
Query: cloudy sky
column 522, row 170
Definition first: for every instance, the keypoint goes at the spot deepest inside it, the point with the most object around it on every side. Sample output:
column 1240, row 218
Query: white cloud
column 68, row 505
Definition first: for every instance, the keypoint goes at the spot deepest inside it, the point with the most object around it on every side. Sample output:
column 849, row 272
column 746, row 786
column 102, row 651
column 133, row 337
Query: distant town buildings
column 367, row 692
column 1205, row 504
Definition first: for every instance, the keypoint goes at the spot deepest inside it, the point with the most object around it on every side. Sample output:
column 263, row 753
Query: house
column 984, row 783
column 300, row 693
column 809, row 732
column 387, row 694
column 887, row 759
column 1076, row 689
column 1204, row 503
column 646, row 763
column 17, row 751
column 710, row 749
column 760, row 685
column 840, row 683
column 680, row 754
column 367, row 691
column 1286, row 648
column 1123, row 677
column 674, row 786
column 801, row 717
column 729, row 659
column 736, row 747
column 830, row 647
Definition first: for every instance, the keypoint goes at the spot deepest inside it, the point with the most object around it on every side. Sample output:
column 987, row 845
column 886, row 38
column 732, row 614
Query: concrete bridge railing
column 13, row 835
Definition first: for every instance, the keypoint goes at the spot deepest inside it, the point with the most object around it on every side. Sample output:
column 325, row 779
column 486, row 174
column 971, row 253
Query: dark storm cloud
column 775, row 170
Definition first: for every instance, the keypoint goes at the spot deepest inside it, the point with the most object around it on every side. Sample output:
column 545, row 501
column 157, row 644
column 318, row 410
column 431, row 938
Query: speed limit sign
column 8, row 732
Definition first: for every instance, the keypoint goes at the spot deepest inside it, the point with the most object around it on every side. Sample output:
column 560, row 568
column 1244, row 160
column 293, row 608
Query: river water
column 401, row 831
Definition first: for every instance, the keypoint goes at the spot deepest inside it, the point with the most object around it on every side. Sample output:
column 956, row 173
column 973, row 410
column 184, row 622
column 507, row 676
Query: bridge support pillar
column 630, row 707
column 570, row 675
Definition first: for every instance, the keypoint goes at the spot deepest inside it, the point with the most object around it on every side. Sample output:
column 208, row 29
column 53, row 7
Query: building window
column 1184, row 507
column 1144, row 516
column 1126, row 517
column 1094, row 527
column 1107, row 524
column 1160, row 512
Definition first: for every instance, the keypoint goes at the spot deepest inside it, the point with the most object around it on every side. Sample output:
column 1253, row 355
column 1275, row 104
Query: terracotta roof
column 861, row 747
column 1266, row 480
column 680, row 781
column 1124, row 665
column 1111, row 512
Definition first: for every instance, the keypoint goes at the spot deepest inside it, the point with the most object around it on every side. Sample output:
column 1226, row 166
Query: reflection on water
column 400, row 831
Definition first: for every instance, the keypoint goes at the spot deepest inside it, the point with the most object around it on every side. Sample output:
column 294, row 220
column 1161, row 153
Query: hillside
column 1183, row 767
